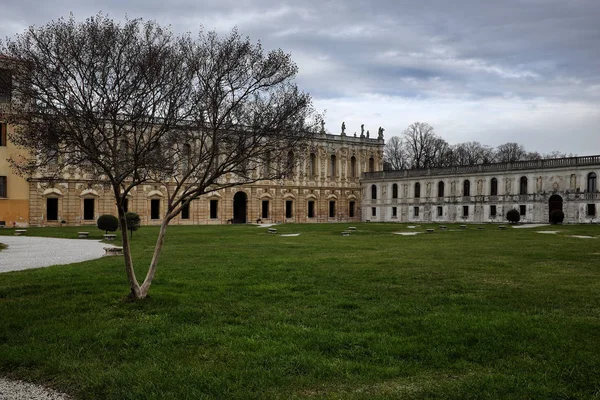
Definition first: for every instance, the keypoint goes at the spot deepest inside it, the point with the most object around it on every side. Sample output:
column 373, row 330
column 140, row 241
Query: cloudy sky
column 491, row 71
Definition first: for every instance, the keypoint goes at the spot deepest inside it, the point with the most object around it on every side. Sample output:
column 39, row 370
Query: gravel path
column 19, row 390
column 35, row 252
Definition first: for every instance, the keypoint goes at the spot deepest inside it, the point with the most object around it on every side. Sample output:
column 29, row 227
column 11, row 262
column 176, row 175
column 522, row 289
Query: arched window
column 395, row 191
column 312, row 167
column 371, row 164
column 591, row 182
column 373, row 192
column 441, row 189
column 523, row 185
column 290, row 164
column 332, row 167
column 467, row 188
column 186, row 158
column 352, row 167
column 494, row 187
column 417, row 190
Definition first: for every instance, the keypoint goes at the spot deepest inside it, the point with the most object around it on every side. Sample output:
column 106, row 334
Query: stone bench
column 352, row 228
column 463, row 227
column 83, row 235
column 429, row 230
column 113, row 251
column 110, row 236
column 20, row 232
column 502, row 227
column 346, row 233
column 271, row 230
column 481, row 228
column 442, row 227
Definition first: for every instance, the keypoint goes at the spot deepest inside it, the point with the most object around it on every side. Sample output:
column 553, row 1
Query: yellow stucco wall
column 15, row 206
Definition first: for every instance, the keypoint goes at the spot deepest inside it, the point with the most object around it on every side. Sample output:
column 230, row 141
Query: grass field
column 235, row 312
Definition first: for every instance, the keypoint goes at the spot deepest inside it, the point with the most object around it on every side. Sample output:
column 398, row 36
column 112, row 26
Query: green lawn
column 235, row 312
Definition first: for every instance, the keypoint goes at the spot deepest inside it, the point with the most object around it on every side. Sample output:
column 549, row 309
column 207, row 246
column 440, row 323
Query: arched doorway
column 240, row 201
column 554, row 203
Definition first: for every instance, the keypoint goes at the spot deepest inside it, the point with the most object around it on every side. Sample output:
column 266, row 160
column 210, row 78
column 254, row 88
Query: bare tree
column 510, row 152
column 394, row 154
column 423, row 147
column 125, row 104
column 472, row 153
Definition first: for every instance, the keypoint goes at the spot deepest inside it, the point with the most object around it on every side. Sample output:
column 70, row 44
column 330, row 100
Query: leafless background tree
column 420, row 147
column 125, row 104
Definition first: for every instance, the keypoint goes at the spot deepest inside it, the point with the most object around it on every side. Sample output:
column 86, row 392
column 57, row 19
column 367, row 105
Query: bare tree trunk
column 133, row 283
column 157, row 251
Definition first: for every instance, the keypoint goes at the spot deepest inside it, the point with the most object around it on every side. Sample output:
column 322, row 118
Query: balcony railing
column 472, row 169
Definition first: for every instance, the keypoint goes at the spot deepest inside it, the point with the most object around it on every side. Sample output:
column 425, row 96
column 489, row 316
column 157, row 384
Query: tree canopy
column 128, row 103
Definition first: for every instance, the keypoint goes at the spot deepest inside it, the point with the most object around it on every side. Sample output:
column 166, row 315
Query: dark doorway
column 239, row 208
column 88, row 209
column 52, row 209
column 155, row 209
column 554, row 203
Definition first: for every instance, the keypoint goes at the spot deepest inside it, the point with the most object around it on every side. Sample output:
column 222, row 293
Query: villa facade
column 325, row 187
column 485, row 193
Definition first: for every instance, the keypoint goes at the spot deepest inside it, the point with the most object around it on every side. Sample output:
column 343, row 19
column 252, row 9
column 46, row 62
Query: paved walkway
column 35, row 252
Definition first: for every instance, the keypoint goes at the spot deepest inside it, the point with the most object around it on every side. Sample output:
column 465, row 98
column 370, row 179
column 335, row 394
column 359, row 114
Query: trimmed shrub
column 133, row 222
column 107, row 222
column 513, row 216
column 557, row 216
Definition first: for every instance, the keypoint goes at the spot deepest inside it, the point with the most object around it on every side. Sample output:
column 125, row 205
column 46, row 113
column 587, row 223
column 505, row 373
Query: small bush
column 513, row 216
column 133, row 222
column 108, row 222
column 557, row 216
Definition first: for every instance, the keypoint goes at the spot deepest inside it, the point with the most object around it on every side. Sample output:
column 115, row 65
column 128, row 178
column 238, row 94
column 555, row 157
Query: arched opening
column 395, row 191
column 591, row 182
column 417, row 190
column 289, row 169
column 441, row 189
column 352, row 167
column 373, row 192
column 467, row 188
column 371, row 164
column 523, row 185
column 554, row 203
column 494, row 187
column 240, row 201
column 332, row 166
column 313, row 165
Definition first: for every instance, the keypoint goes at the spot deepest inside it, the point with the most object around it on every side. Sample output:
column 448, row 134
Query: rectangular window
column 214, row 206
column 394, row 211
column 440, row 211
column 2, row 134
column 351, row 209
column 416, row 211
column 493, row 211
column 265, row 209
column 3, row 184
column 185, row 211
column 465, row 211
column 373, row 211
column 155, row 209
column 311, row 209
column 289, row 207
column 88, row 209
column 5, row 85
column 591, row 210
column 52, row 209
column 522, row 210
column 332, row 209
